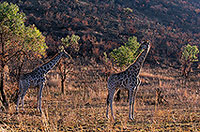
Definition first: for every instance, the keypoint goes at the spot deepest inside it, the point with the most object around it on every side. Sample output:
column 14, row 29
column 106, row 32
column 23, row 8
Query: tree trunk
column 4, row 100
column 189, row 69
column 63, row 86
column 184, row 67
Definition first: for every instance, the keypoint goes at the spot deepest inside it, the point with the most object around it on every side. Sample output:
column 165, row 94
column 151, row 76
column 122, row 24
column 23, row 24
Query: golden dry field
column 165, row 101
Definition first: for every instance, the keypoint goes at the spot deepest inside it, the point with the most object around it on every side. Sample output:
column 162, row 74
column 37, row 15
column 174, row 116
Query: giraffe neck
column 137, row 65
column 45, row 68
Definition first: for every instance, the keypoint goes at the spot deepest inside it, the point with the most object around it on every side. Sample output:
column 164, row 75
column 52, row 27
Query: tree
column 64, row 66
column 16, row 40
column 71, row 41
column 125, row 54
column 189, row 55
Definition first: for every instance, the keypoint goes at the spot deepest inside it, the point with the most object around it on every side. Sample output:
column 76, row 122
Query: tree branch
column 13, row 55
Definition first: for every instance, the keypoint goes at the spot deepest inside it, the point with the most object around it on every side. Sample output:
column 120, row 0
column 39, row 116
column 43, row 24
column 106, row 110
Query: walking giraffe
column 128, row 79
column 37, row 78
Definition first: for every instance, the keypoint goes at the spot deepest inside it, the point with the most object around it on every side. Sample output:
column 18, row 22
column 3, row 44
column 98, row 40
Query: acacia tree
column 189, row 55
column 64, row 66
column 16, row 40
column 125, row 54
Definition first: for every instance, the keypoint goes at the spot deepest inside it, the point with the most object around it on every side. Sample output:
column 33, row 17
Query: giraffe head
column 64, row 53
column 145, row 45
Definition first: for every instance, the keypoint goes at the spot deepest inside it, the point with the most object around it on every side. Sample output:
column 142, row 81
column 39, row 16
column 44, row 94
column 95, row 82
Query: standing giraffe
column 37, row 78
column 128, row 79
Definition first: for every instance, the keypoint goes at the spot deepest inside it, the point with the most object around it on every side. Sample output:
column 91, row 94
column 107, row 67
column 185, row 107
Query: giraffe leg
column 40, row 97
column 133, row 98
column 25, row 88
column 22, row 101
column 109, row 101
column 22, row 93
column 130, row 103
column 19, row 95
column 134, row 94
column 18, row 98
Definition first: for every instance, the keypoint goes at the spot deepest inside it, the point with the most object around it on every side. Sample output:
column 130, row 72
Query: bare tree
column 64, row 67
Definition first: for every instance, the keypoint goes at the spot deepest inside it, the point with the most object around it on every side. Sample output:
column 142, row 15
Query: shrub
column 189, row 55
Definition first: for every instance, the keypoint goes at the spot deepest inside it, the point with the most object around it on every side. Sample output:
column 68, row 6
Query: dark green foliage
column 71, row 41
column 189, row 53
column 11, row 20
column 16, row 34
column 125, row 54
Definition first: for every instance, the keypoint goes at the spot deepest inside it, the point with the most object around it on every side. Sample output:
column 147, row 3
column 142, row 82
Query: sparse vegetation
column 83, row 105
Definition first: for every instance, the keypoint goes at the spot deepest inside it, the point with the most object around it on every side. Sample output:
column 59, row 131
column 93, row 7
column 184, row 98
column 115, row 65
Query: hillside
column 104, row 25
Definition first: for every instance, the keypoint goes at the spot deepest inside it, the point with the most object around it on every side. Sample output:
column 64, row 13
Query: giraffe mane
column 135, row 59
column 50, row 59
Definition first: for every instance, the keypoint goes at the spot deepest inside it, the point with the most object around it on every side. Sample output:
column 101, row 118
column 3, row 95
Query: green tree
column 16, row 39
column 71, row 41
column 189, row 55
column 126, row 54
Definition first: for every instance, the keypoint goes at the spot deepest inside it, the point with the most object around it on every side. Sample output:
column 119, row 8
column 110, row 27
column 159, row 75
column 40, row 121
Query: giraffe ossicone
column 128, row 79
column 37, row 78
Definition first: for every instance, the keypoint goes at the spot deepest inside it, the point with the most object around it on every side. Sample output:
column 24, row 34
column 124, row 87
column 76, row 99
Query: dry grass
column 145, row 74
column 83, row 106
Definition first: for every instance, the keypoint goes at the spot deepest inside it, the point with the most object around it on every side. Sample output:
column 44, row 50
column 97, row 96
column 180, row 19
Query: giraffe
column 128, row 79
column 37, row 78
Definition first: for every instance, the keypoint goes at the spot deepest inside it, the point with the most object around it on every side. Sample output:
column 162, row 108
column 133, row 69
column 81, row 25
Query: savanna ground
column 83, row 106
